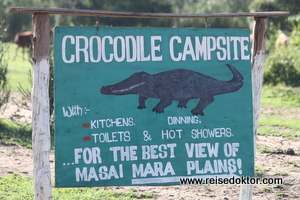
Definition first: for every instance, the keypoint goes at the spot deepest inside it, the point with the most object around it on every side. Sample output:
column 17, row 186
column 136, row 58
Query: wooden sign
column 150, row 106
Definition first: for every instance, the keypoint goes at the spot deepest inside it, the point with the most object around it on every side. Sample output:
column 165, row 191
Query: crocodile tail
column 237, row 81
column 224, row 87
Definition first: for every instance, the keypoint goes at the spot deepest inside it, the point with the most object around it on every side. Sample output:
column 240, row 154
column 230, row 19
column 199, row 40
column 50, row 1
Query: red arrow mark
column 86, row 138
column 86, row 125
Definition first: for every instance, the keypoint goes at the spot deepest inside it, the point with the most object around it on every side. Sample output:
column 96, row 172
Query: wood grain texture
column 260, row 29
column 103, row 13
column 40, row 110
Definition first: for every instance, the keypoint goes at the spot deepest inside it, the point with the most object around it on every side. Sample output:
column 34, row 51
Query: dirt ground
column 272, row 160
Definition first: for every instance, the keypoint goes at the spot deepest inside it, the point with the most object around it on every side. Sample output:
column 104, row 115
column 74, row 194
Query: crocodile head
column 135, row 84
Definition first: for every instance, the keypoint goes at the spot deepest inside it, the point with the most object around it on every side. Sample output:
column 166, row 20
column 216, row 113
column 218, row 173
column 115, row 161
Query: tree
column 293, row 6
column 152, row 6
column 19, row 22
column 212, row 6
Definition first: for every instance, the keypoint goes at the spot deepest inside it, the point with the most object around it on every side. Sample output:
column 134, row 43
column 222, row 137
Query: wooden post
column 41, row 141
column 260, row 29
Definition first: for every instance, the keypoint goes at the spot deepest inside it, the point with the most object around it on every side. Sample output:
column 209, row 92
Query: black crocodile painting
column 178, row 84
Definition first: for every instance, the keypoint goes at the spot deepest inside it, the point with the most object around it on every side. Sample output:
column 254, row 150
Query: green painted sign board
column 149, row 106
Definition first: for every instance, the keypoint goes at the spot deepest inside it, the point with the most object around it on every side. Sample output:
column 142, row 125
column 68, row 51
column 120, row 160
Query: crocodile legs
column 203, row 103
column 159, row 108
column 142, row 101
column 165, row 100
column 182, row 103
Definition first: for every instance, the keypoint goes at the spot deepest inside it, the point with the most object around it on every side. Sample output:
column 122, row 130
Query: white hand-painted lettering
column 70, row 111
column 103, row 173
column 118, row 136
column 109, row 123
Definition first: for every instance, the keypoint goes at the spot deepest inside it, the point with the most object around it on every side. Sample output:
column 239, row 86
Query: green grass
column 18, row 68
column 19, row 188
column 294, row 163
column 15, row 133
column 259, row 172
column 282, row 173
column 16, row 187
column 265, row 149
column 279, row 194
column 280, row 112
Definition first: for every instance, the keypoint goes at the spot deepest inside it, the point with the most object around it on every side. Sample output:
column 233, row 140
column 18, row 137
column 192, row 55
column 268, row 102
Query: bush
column 15, row 133
column 4, row 90
column 283, row 62
column 283, row 67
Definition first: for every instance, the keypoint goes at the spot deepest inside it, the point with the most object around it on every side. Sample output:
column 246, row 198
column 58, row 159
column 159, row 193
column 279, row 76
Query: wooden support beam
column 102, row 13
column 40, row 107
